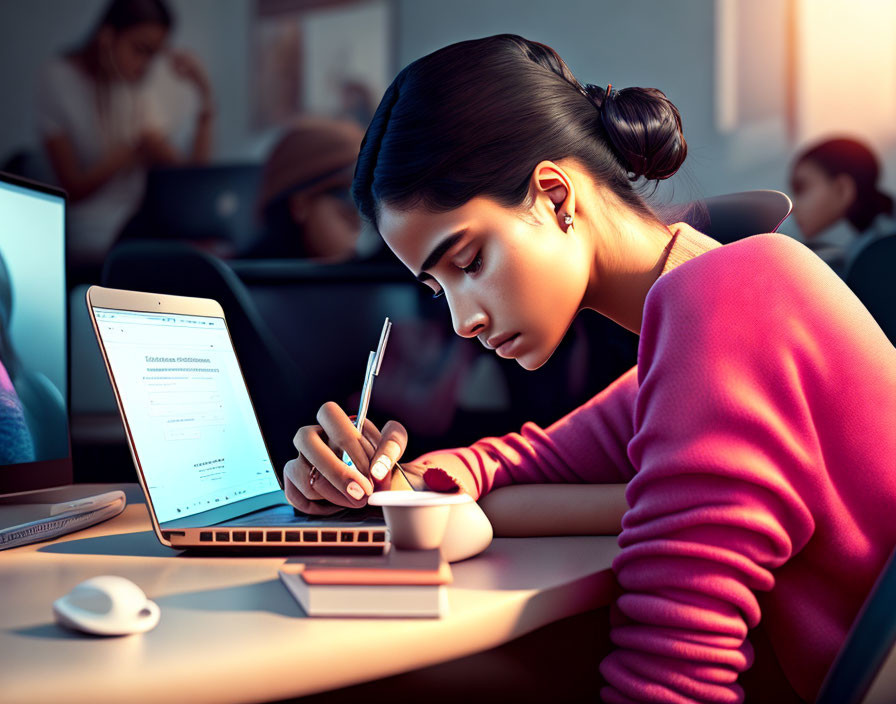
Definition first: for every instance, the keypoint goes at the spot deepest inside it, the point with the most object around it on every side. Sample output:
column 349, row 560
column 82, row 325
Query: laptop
column 194, row 436
column 198, row 203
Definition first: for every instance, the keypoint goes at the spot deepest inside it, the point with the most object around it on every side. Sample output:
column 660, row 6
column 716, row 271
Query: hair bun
column 643, row 128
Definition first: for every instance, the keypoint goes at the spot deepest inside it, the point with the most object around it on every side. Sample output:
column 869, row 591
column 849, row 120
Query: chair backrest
column 867, row 644
column 734, row 216
column 872, row 277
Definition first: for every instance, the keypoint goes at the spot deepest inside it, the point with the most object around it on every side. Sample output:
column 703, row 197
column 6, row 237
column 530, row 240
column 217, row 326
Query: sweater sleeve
column 723, row 442
column 588, row 445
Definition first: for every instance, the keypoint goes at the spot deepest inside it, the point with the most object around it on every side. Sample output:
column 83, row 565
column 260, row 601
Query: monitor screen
column 187, row 409
column 34, row 440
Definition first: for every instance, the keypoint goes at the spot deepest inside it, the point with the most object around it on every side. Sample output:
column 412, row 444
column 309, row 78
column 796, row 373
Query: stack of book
column 398, row 584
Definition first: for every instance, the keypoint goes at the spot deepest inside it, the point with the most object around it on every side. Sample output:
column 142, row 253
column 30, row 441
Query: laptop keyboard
column 285, row 515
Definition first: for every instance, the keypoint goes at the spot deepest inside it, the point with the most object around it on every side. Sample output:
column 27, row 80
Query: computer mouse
column 108, row 606
column 468, row 532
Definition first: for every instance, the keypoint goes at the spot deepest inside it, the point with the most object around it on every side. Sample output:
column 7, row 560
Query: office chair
column 734, row 216
column 867, row 644
column 872, row 278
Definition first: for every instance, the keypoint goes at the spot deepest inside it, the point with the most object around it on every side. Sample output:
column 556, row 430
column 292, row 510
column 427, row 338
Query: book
column 21, row 524
column 396, row 584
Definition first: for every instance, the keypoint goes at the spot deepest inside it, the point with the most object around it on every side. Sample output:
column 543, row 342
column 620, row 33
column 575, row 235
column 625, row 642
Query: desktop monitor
column 34, row 440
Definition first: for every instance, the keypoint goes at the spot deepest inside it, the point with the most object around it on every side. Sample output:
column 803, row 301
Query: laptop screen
column 188, row 410
column 34, row 444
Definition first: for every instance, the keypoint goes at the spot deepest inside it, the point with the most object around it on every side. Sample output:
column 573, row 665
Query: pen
column 374, row 362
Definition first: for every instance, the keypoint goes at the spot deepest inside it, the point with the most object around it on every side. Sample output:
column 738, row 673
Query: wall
column 668, row 45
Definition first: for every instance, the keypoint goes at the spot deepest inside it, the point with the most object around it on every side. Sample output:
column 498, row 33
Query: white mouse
column 468, row 532
column 107, row 606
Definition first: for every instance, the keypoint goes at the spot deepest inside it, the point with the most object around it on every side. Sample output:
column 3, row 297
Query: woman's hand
column 154, row 149
column 318, row 482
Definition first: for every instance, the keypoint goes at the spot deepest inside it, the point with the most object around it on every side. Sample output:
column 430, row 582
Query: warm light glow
column 846, row 68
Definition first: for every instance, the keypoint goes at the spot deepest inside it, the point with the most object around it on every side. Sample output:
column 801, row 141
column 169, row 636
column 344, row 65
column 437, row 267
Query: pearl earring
column 567, row 219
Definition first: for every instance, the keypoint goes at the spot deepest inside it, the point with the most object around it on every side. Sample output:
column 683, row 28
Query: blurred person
column 102, row 128
column 304, row 199
column 748, row 541
column 15, row 439
column 834, row 180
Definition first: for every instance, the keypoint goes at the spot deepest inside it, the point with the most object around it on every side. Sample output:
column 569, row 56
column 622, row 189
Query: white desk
column 229, row 624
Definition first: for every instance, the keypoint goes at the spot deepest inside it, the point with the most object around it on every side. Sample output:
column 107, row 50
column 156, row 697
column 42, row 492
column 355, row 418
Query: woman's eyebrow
column 438, row 252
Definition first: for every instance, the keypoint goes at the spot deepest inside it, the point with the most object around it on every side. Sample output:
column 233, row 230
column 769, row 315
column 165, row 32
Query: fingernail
column 381, row 467
column 355, row 491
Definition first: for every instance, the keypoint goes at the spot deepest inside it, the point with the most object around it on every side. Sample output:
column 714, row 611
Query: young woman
column 304, row 197
column 101, row 128
column 755, row 434
column 837, row 179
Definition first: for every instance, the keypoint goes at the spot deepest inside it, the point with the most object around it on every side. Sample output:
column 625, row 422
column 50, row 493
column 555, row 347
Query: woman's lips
column 505, row 349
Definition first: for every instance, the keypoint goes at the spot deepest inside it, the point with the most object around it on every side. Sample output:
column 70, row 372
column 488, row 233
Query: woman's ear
column 845, row 189
column 554, row 191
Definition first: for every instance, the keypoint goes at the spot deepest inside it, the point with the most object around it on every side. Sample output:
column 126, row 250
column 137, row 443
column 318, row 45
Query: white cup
column 416, row 519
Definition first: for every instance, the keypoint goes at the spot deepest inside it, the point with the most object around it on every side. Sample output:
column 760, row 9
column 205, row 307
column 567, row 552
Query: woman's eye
column 474, row 265
column 438, row 294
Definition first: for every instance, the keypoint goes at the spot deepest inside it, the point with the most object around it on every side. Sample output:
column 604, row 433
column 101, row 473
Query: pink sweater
column 757, row 438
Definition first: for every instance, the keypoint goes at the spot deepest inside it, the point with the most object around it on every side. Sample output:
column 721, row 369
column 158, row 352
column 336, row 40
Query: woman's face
column 331, row 225
column 514, row 279
column 132, row 50
column 818, row 199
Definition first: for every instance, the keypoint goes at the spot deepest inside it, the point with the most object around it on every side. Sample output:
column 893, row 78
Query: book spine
column 369, row 600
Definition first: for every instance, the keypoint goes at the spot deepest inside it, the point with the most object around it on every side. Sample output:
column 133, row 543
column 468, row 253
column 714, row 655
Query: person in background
column 101, row 127
column 16, row 444
column 727, row 456
column 837, row 179
column 15, row 438
column 304, row 199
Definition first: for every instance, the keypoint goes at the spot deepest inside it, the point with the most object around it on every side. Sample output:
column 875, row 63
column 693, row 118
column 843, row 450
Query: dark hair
column 476, row 117
column 122, row 14
column 855, row 159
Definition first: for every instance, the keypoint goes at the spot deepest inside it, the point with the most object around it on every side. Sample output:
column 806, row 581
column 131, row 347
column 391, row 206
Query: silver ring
column 312, row 476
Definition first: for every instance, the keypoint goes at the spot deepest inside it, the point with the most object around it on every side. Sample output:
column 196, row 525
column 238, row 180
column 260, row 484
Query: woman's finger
column 300, row 501
column 369, row 440
column 316, row 484
column 389, row 449
column 298, row 472
column 343, row 435
column 352, row 486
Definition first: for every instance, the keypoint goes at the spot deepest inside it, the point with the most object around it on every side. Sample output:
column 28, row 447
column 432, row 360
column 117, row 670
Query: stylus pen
column 374, row 362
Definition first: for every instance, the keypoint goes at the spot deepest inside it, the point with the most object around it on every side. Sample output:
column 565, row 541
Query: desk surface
column 230, row 632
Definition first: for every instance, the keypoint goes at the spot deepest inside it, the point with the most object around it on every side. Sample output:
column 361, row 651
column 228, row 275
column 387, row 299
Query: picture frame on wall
column 322, row 57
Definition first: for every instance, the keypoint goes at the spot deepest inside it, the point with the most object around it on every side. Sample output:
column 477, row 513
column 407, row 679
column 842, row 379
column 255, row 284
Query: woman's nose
column 468, row 323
